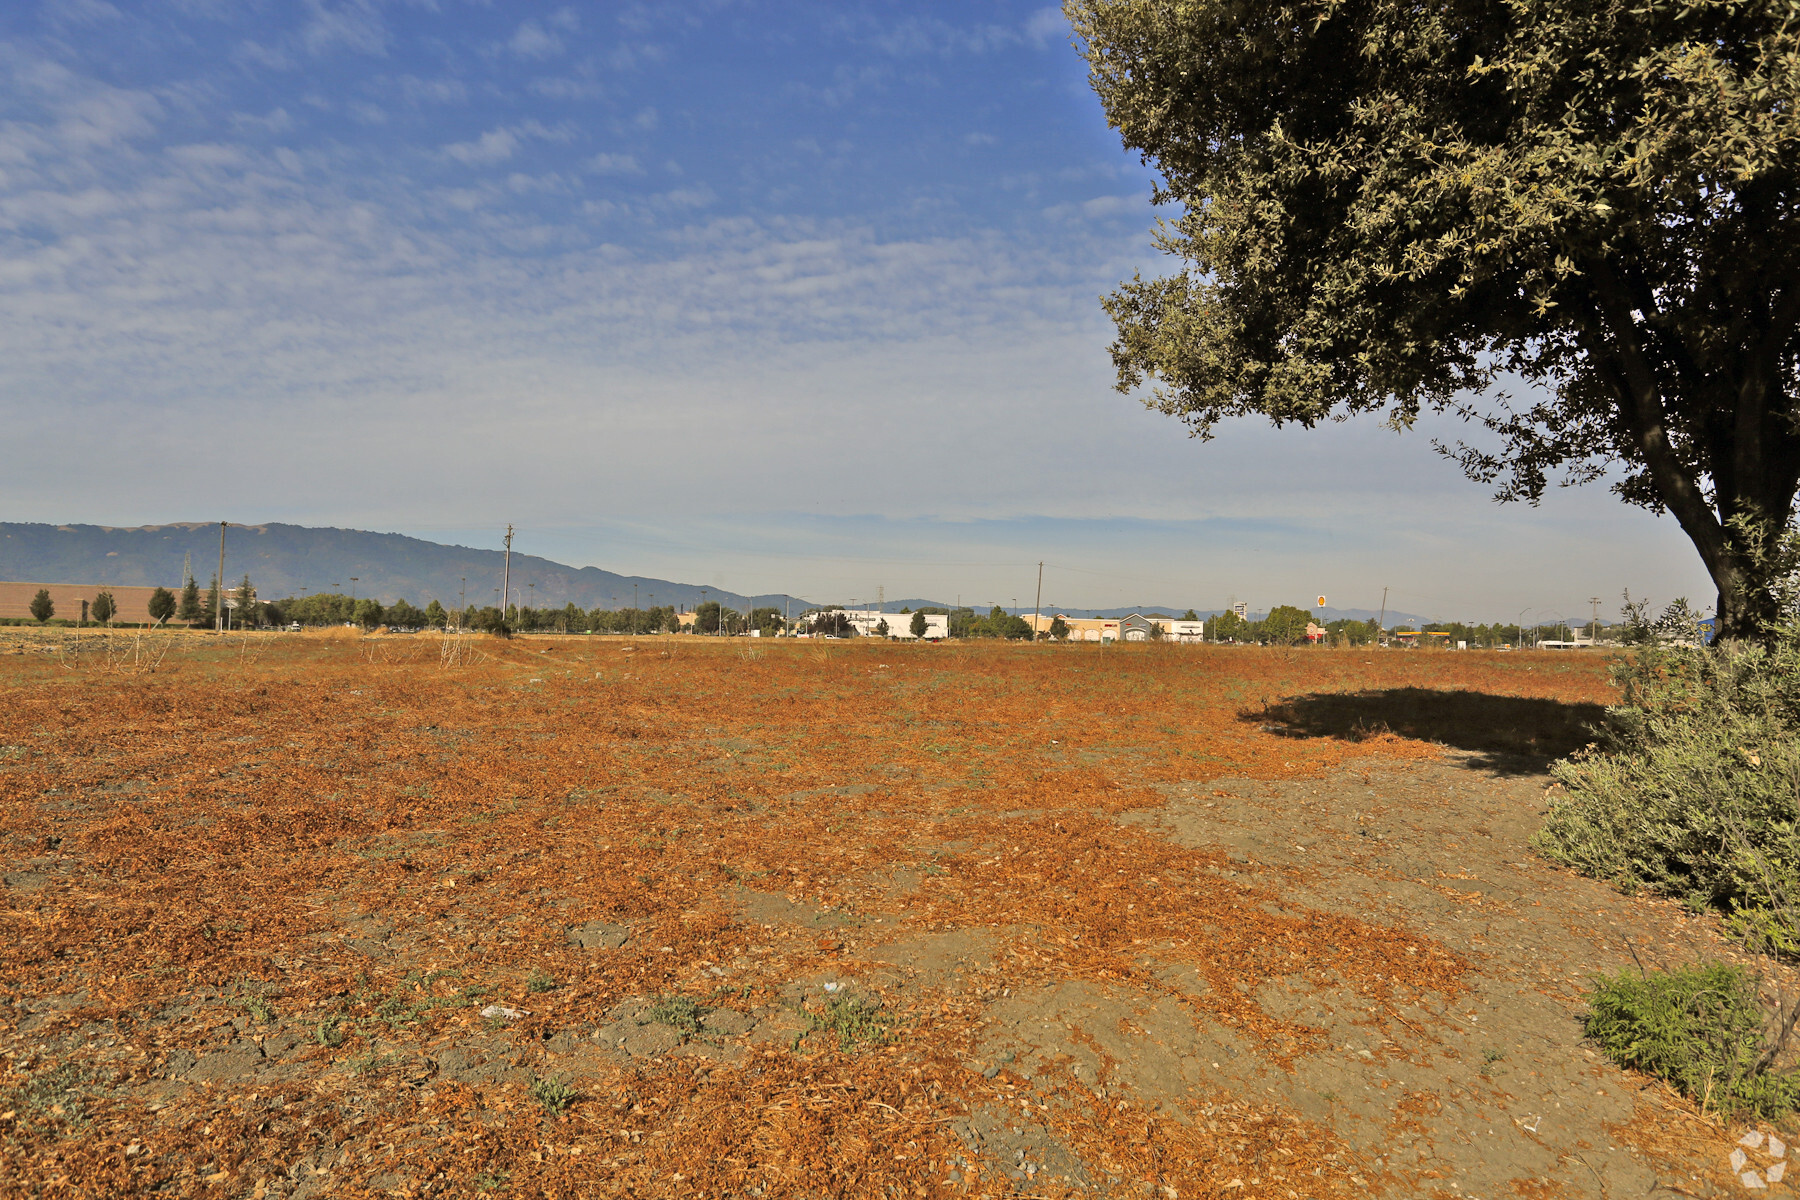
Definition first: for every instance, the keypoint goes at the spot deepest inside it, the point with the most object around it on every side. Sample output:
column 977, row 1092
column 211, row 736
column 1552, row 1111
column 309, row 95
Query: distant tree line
column 1284, row 625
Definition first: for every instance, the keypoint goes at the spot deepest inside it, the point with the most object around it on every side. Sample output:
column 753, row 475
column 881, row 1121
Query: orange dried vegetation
column 235, row 817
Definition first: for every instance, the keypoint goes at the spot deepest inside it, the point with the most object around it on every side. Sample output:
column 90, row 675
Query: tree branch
column 1641, row 408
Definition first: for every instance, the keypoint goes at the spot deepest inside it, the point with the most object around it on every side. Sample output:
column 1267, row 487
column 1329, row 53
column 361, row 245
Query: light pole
column 1521, row 625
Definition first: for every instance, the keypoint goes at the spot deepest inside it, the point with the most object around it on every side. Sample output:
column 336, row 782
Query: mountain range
column 292, row 560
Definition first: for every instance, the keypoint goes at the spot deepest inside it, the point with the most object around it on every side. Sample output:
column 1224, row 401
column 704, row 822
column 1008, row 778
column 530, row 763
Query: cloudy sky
column 781, row 296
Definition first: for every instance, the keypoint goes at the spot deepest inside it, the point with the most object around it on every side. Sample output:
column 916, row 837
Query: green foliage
column 554, row 1093
column 246, row 611
column 368, row 612
column 853, row 1019
column 1229, row 627
column 42, row 607
column 1699, row 1027
column 412, row 999
column 190, row 601
column 831, row 623
column 1392, row 208
column 541, row 981
column 1059, row 628
column 997, row 624
column 103, row 608
column 1285, row 625
column 1693, row 787
column 162, row 604
column 678, row 1012
column 435, row 616
column 918, row 625
column 490, row 620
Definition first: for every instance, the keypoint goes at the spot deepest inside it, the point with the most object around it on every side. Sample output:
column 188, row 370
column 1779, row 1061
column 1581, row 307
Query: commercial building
column 1137, row 627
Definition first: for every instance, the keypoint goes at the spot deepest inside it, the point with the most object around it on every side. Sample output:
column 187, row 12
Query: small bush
column 679, row 1012
column 1693, row 789
column 1699, row 1027
column 853, row 1018
column 541, row 981
column 554, row 1093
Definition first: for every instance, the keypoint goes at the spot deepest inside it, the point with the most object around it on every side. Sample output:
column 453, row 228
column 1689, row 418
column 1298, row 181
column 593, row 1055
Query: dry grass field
column 310, row 916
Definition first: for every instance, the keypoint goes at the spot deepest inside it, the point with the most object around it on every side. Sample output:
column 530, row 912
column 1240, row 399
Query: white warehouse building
column 867, row 620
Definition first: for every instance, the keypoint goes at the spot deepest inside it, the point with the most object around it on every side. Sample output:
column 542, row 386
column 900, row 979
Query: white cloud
column 532, row 40
column 498, row 145
column 1047, row 26
column 275, row 121
column 80, row 12
column 614, row 164
column 249, row 53
column 353, row 25
column 563, row 88
column 432, row 91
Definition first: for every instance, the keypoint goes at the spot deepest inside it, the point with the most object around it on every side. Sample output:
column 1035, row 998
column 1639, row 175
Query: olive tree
column 1396, row 208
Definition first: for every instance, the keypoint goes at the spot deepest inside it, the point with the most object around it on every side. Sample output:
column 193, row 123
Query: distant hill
column 289, row 560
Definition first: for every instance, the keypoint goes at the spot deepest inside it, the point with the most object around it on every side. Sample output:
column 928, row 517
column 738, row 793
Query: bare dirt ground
column 338, row 916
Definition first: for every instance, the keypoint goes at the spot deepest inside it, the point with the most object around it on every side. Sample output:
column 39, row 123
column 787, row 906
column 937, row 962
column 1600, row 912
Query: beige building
column 133, row 602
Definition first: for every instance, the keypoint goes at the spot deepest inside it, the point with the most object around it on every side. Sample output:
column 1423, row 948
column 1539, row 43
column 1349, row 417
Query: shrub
column 554, row 1093
column 679, row 1012
column 1699, row 1027
column 853, row 1018
column 1693, row 788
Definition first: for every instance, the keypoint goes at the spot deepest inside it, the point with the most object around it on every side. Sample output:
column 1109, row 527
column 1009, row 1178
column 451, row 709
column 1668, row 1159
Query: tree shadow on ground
column 1512, row 734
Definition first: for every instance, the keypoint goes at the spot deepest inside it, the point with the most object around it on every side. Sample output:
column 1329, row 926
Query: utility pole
column 1381, row 621
column 1594, row 627
column 1037, row 608
column 219, row 617
column 506, row 573
column 634, row 610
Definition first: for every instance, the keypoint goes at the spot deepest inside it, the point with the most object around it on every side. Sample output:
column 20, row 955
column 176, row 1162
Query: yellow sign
column 1321, row 603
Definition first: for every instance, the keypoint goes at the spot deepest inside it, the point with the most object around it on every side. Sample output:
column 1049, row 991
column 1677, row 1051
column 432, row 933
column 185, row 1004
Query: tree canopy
column 42, row 607
column 162, row 605
column 1393, row 208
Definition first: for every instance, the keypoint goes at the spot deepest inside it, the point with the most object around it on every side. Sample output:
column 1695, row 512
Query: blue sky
column 770, row 296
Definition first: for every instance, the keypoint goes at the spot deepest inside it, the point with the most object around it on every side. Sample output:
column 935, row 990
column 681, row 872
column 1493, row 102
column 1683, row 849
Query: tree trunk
column 1747, row 608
